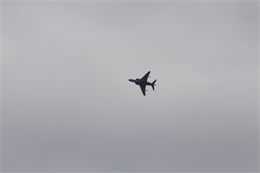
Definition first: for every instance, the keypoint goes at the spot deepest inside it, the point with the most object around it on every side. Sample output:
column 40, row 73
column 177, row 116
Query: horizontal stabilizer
column 153, row 84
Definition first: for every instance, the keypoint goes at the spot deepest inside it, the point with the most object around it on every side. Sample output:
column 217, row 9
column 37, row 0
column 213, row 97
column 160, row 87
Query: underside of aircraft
column 143, row 82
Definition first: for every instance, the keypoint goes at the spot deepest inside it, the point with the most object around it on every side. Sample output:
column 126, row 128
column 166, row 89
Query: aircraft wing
column 143, row 89
column 145, row 76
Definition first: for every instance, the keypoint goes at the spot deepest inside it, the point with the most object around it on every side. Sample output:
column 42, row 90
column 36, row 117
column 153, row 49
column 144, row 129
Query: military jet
column 143, row 82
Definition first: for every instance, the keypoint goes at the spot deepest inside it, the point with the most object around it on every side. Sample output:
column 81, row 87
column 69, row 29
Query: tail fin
column 153, row 84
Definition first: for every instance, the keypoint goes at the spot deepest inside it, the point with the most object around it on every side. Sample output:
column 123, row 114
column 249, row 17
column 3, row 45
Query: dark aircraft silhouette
column 143, row 82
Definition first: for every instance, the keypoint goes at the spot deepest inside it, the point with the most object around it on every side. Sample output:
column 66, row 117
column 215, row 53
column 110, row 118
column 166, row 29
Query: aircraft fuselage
column 140, row 82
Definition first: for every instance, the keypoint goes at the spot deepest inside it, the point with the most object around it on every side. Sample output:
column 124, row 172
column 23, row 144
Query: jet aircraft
column 143, row 82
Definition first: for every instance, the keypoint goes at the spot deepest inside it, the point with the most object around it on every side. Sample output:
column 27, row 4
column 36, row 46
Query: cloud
column 67, row 104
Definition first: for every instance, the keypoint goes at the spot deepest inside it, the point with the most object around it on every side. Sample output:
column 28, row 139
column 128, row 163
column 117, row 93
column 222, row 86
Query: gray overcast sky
column 68, row 104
